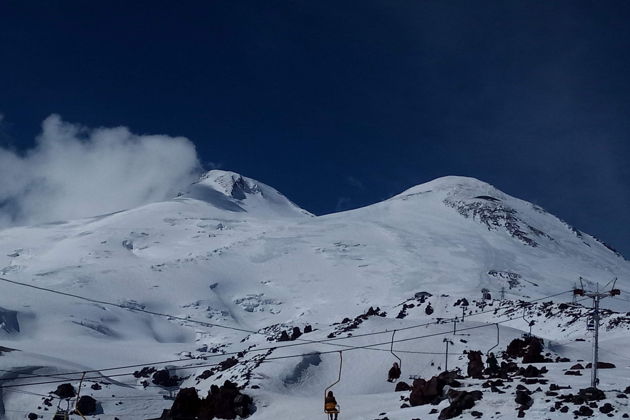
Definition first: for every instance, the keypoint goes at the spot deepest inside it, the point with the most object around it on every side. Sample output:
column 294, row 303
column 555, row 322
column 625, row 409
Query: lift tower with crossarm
column 596, row 295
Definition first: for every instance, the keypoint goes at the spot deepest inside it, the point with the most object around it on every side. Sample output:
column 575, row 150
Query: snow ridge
column 234, row 251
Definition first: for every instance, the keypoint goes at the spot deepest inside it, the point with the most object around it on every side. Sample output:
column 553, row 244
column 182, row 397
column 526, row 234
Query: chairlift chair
column 530, row 322
column 62, row 414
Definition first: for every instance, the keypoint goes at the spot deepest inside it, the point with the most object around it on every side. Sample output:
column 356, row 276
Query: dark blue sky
column 341, row 104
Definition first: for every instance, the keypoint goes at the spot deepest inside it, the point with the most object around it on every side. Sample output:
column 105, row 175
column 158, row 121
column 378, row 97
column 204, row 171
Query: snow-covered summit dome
column 234, row 192
column 231, row 183
column 459, row 186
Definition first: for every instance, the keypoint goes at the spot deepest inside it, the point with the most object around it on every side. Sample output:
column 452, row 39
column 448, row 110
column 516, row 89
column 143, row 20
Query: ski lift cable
column 238, row 329
column 368, row 346
column 63, row 376
column 51, row 395
column 184, row 319
column 211, row 324
column 325, row 341
column 103, row 302
column 196, row 366
column 267, row 359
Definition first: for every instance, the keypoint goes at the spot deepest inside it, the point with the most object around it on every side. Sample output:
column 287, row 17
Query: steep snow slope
column 235, row 252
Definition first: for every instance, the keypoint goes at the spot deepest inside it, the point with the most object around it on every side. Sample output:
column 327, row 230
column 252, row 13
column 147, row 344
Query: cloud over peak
column 74, row 171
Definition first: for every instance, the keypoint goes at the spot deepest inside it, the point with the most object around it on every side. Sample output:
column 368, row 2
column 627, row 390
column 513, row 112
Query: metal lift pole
column 595, row 341
column 596, row 296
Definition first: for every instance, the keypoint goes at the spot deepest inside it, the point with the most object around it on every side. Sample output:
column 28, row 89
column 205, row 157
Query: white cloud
column 76, row 172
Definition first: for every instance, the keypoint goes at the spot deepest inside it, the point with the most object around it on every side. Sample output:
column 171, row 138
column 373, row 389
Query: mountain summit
column 234, row 192
column 233, row 263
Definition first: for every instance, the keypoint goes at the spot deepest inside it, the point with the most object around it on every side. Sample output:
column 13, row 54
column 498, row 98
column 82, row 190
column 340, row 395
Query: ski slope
column 235, row 253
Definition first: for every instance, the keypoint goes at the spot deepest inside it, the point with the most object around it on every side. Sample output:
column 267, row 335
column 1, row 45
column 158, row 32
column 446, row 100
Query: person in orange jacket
column 330, row 406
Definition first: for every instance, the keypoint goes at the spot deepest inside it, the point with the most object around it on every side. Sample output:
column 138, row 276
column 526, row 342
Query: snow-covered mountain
column 236, row 253
column 235, row 193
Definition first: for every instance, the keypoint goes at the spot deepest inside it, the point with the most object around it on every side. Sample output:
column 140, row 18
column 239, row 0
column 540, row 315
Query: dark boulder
column 462, row 302
column 531, row 372
column 402, row 386
column 602, row 365
column 450, row 378
column 284, row 336
column 205, row 375
column 164, row 378
column 515, row 348
column 490, row 383
column 606, row 408
column 426, row 392
column 86, row 405
column 573, row 373
column 186, row 404
column 533, row 351
column 460, row 401
column 592, row 394
column 530, row 348
column 524, row 399
column 296, row 333
column 65, row 391
column 225, row 402
column 584, row 411
column 228, row 363
column 145, row 372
